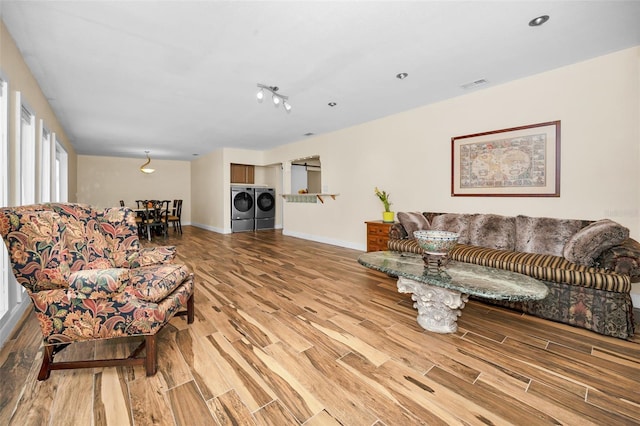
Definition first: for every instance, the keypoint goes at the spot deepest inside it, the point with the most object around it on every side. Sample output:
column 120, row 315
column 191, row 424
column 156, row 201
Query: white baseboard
column 212, row 228
column 220, row 230
column 320, row 239
column 310, row 237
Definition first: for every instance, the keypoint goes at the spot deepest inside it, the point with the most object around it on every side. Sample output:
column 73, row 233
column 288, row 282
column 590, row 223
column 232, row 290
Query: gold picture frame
column 516, row 162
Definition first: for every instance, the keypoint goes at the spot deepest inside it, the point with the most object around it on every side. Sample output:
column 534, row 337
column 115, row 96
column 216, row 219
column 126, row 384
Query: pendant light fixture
column 277, row 98
column 145, row 167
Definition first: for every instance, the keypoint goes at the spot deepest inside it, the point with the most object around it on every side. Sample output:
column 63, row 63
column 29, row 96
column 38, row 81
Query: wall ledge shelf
column 307, row 198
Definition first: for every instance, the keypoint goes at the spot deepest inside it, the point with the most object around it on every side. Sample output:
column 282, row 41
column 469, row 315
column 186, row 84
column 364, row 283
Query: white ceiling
column 179, row 78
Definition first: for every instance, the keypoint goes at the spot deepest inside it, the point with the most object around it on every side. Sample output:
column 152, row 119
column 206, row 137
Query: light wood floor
column 292, row 332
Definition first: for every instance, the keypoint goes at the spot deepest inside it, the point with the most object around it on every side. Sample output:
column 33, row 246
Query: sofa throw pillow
column 493, row 231
column 454, row 222
column 413, row 221
column 588, row 243
column 544, row 235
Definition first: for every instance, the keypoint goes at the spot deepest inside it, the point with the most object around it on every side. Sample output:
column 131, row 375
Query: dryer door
column 242, row 205
column 265, row 204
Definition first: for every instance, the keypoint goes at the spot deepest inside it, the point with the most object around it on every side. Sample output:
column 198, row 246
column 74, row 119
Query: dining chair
column 145, row 208
column 175, row 217
column 89, row 279
column 155, row 218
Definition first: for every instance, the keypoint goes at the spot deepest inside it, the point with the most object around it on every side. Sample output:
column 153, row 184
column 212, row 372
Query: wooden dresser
column 377, row 235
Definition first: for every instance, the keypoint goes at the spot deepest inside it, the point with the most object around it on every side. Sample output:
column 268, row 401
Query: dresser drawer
column 376, row 229
column 377, row 243
column 377, row 235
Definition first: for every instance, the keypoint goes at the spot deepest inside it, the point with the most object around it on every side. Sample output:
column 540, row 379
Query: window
column 27, row 153
column 45, row 164
column 306, row 175
column 4, row 189
column 60, row 174
column 17, row 186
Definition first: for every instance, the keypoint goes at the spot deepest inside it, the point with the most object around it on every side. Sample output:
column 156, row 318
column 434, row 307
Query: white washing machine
column 242, row 209
column 265, row 217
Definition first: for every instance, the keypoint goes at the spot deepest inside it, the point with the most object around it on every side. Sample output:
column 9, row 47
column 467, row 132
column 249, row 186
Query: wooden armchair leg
column 151, row 358
column 47, row 360
column 190, row 310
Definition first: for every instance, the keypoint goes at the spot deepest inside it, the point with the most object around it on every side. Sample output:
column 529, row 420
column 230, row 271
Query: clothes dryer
column 265, row 217
column 242, row 209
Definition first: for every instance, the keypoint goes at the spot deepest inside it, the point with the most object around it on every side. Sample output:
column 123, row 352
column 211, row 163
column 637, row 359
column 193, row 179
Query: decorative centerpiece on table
column 387, row 214
column 436, row 246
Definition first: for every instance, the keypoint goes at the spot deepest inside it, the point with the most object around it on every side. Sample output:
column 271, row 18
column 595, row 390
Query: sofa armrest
column 397, row 231
column 97, row 283
column 622, row 259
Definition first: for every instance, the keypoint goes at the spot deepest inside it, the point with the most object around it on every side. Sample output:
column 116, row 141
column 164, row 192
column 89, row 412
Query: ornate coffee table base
column 438, row 307
column 441, row 294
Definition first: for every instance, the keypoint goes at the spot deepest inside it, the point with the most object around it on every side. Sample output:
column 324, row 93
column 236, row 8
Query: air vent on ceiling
column 475, row 84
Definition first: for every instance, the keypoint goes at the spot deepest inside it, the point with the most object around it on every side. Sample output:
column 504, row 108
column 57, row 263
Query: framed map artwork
column 517, row 162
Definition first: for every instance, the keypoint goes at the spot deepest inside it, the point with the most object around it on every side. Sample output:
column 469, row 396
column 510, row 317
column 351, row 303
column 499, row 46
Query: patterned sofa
column 588, row 266
column 89, row 279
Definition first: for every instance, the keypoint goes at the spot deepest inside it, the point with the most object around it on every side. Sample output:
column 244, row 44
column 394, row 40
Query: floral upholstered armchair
column 89, row 279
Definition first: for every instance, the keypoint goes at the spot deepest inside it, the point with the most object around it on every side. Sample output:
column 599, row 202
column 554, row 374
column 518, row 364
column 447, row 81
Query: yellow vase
column 387, row 217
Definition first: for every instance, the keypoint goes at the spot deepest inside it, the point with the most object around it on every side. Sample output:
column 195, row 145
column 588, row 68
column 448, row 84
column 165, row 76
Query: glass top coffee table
column 440, row 295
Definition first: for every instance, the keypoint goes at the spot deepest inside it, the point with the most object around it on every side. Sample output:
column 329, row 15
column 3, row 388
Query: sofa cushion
column 97, row 283
column 156, row 282
column 454, row 222
column 543, row 267
column 404, row 245
column 493, row 231
column 544, row 235
column 587, row 244
column 540, row 266
column 413, row 221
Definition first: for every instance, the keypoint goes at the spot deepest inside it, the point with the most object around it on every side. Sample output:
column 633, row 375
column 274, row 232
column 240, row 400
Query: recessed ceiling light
column 332, row 104
column 536, row 22
column 402, row 76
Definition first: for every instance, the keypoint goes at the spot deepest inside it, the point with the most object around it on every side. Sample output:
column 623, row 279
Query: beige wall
column 104, row 181
column 409, row 154
column 211, row 186
column 19, row 78
column 207, row 191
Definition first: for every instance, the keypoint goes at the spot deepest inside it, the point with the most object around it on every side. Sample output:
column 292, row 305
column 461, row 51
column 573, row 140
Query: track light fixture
column 276, row 97
column 145, row 167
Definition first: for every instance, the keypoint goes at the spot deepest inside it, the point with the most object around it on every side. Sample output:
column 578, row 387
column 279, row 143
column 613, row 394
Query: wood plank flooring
column 292, row 332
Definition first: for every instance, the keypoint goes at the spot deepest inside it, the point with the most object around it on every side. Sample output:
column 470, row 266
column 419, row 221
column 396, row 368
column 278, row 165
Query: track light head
column 277, row 98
